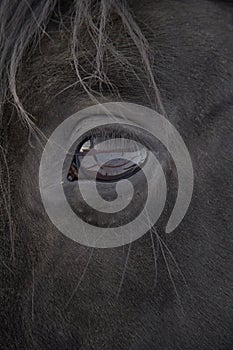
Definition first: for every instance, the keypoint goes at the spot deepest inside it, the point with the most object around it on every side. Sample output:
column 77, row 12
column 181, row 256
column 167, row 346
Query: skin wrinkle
column 192, row 47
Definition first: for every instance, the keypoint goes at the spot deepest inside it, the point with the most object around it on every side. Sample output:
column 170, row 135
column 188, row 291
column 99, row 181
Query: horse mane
column 24, row 23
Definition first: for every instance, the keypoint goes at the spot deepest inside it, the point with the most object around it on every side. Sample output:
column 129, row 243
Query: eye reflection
column 127, row 160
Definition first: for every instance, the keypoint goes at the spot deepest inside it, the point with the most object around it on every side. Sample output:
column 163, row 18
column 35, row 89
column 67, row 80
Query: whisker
column 177, row 266
column 153, row 249
column 124, row 271
column 155, row 259
column 80, row 280
column 170, row 274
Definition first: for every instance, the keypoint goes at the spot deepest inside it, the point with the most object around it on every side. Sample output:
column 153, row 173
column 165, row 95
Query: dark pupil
column 111, row 170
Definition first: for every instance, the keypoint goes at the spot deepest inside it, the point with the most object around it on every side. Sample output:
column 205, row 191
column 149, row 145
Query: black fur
column 57, row 294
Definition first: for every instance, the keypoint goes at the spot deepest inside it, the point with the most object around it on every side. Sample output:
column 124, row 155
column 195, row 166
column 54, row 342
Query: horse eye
column 109, row 162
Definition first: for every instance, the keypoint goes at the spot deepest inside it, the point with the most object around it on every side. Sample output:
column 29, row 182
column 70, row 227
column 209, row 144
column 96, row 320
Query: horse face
column 164, row 291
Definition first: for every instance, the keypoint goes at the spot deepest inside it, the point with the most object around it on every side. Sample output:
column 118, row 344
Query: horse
column 163, row 290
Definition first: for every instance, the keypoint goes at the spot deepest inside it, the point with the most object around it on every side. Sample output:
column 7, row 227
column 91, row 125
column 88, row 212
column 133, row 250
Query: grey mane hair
column 24, row 22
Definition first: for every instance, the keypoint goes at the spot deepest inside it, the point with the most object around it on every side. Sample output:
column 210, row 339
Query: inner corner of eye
column 110, row 161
